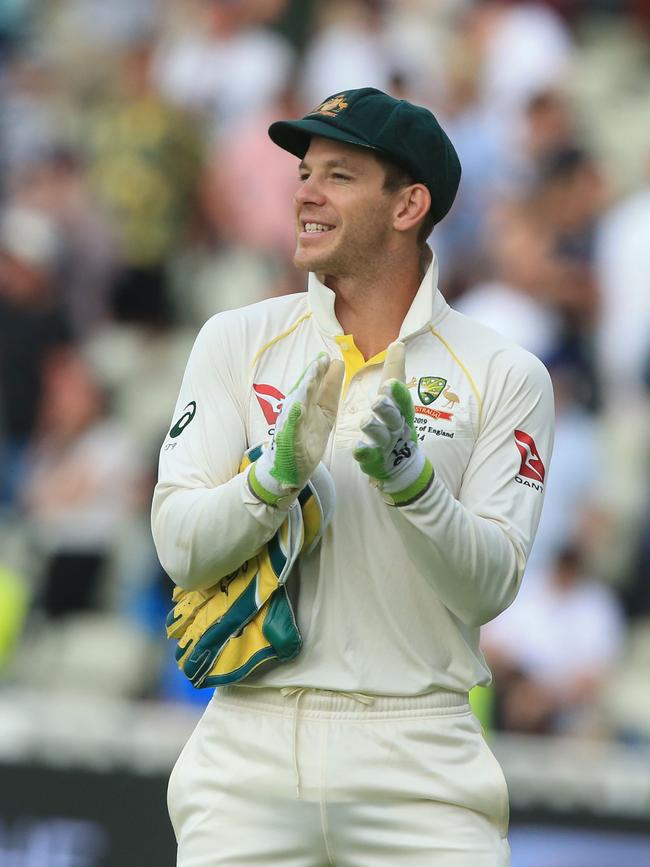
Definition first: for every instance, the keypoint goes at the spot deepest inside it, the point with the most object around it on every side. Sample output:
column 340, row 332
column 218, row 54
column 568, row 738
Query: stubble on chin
column 300, row 262
column 338, row 261
column 305, row 262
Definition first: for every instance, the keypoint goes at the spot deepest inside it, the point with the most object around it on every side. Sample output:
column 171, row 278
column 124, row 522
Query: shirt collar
column 428, row 306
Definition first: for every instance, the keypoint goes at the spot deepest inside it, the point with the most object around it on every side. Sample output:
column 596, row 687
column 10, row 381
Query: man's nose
column 309, row 192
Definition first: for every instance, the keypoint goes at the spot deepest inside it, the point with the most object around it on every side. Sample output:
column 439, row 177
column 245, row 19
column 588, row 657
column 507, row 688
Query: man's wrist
column 266, row 489
column 414, row 490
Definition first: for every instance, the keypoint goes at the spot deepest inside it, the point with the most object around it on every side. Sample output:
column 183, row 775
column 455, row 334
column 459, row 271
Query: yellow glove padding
column 246, row 618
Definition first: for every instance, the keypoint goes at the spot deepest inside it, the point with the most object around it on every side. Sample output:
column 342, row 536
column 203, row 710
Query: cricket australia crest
column 331, row 107
column 429, row 388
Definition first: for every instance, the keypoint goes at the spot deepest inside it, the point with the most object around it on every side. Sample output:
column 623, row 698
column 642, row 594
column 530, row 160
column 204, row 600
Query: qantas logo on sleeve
column 270, row 400
column 532, row 466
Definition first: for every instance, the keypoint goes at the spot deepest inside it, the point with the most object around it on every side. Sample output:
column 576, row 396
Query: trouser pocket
column 502, row 801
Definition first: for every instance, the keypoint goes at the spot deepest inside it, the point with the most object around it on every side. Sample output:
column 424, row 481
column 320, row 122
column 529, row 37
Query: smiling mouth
column 316, row 228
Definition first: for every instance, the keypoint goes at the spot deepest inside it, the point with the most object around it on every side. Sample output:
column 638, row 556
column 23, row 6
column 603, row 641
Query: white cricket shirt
column 392, row 599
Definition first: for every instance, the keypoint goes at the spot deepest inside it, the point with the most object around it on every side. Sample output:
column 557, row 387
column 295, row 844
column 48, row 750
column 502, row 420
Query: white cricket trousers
column 310, row 778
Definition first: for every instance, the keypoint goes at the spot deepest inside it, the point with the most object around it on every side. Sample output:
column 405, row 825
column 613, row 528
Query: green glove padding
column 301, row 433
column 389, row 453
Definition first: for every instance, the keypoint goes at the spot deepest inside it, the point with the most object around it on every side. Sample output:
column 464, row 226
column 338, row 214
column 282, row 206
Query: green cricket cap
column 407, row 134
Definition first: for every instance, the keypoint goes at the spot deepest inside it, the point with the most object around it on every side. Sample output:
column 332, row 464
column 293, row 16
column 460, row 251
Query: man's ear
column 412, row 204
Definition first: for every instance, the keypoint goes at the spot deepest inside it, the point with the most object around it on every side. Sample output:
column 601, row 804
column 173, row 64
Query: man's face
column 343, row 215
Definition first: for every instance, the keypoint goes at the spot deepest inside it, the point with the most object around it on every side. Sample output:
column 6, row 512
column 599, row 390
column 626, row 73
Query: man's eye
column 303, row 178
column 339, row 176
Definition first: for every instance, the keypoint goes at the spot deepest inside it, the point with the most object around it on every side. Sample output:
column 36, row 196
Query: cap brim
column 294, row 135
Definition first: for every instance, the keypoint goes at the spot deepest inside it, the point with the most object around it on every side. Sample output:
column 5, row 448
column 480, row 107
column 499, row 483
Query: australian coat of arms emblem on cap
column 332, row 106
column 429, row 388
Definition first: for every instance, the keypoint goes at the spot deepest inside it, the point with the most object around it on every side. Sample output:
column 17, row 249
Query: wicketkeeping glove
column 247, row 619
column 301, row 433
column 226, row 631
column 389, row 453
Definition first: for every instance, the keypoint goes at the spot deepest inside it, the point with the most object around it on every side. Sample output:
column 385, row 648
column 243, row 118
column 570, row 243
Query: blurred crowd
column 140, row 194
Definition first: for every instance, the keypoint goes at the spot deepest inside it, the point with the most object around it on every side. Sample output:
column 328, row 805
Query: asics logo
column 188, row 414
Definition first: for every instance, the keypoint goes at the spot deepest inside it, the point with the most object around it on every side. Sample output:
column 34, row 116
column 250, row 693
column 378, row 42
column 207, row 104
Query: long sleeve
column 475, row 546
column 205, row 521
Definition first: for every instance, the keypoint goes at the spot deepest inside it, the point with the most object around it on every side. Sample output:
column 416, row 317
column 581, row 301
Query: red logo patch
column 434, row 413
column 531, row 464
column 270, row 400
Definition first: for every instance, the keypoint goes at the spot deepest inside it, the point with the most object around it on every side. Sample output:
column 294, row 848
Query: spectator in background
column 349, row 49
column 249, row 183
column 95, row 27
column 569, row 194
column 514, row 301
column 525, row 48
column 32, row 324
column 80, row 487
column 145, row 161
column 225, row 63
column 549, row 125
column 570, row 496
column 56, row 184
column 29, row 95
column 541, row 250
column 246, row 195
column 551, row 652
column 622, row 339
column 485, row 154
column 622, row 257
